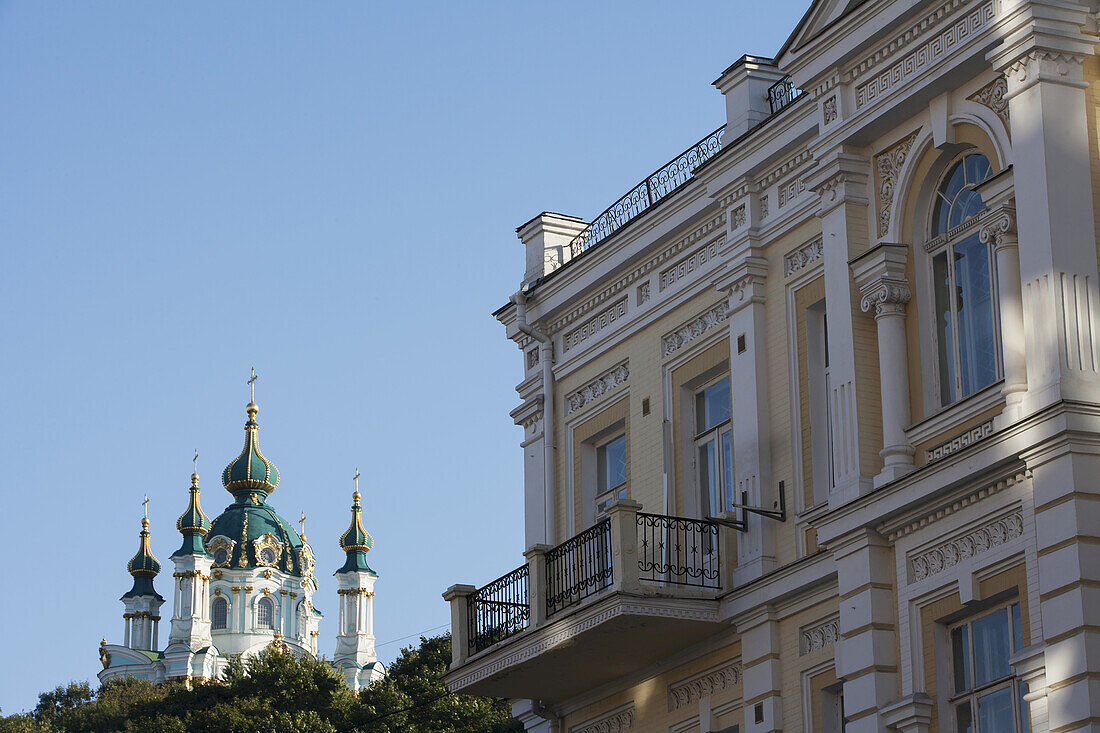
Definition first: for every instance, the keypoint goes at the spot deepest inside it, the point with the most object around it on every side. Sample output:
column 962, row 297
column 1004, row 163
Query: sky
column 327, row 191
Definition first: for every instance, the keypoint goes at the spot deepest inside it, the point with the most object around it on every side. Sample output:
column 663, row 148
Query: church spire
column 143, row 566
column 193, row 524
column 250, row 472
column 355, row 541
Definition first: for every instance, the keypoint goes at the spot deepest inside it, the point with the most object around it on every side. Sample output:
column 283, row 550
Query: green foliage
column 277, row 693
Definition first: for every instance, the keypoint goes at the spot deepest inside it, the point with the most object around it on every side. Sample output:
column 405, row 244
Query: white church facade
column 242, row 583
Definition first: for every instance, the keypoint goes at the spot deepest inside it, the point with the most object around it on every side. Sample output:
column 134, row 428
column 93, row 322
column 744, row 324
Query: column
column 126, row 624
column 744, row 284
column 458, row 596
column 880, row 275
column 368, row 627
column 841, row 181
column 361, row 608
column 866, row 652
column 246, row 608
column 235, row 619
column 1043, row 58
column 999, row 229
column 153, row 642
column 343, row 608
column 761, row 678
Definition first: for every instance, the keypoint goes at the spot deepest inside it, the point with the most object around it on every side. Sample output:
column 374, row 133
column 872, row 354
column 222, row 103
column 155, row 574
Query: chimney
column 547, row 239
column 745, row 86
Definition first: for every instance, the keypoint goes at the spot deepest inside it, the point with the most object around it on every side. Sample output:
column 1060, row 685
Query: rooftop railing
column 667, row 179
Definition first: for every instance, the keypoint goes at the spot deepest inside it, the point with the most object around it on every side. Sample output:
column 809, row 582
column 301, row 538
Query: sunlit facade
column 810, row 414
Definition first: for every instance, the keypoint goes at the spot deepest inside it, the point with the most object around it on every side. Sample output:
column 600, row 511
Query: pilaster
column 841, row 182
column 1042, row 59
column 762, row 677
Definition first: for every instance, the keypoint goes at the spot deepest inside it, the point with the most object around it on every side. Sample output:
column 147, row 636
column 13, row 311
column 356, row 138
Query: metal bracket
column 742, row 525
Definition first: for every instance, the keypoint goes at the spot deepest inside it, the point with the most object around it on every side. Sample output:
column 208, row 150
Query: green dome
column 356, row 542
column 250, row 472
column 252, row 526
column 143, row 566
column 193, row 524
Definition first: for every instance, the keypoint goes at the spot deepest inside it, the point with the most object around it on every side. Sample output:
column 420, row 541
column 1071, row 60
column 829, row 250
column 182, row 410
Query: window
column 818, row 389
column 610, row 471
column 987, row 698
column 219, row 613
column 963, row 284
column 265, row 614
column 221, row 556
column 267, row 556
column 714, row 447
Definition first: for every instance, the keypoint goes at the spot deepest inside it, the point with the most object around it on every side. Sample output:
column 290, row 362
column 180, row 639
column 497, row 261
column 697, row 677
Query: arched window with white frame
column 963, row 283
column 219, row 613
column 265, row 613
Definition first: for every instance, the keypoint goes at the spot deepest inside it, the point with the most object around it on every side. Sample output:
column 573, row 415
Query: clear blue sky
column 327, row 191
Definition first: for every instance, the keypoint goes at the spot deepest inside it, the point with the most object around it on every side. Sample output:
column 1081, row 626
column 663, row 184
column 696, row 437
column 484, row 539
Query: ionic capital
column 887, row 297
column 999, row 228
column 880, row 276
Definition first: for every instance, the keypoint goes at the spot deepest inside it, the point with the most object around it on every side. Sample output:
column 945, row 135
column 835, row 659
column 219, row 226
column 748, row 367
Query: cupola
column 143, row 566
column 250, row 472
column 355, row 541
column 193, row 524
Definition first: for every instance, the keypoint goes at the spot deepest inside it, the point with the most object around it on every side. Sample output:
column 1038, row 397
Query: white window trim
column 714, row 434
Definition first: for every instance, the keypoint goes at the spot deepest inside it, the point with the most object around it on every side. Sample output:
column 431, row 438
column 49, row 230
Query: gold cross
column 145, row 506
column 252, row 386
column 303, row 521
column 196, row 460
column 356, row 478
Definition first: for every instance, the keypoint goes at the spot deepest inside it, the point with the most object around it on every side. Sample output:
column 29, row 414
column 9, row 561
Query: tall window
column 219, row 613
column 714, row 447
column 265, row 613
column 987, row 698
column 963, row 283
column 610, row 471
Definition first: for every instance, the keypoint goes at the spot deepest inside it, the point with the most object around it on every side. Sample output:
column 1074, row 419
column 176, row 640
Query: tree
column 277, row 692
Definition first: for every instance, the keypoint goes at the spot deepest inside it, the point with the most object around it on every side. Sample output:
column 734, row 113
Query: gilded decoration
column 221, row 542
column 992, row 95
column 887, row 166
column 267, row 549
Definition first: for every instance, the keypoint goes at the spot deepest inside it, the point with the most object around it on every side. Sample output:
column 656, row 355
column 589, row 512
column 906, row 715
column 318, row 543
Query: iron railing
column 652, row 189
column 578, row 567
column 678, row 550
column 499, row 609
column 782, row 93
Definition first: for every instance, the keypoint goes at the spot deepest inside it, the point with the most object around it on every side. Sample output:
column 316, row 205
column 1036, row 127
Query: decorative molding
column 803, row 257
column 617, row 720
column 790, row 190
column 818, row 636
column 693, row 329
column 689, row 264
column 959, row 442
column 828, row 108
column 764, row 207
column 738, row 219
column 594, row 325
column 598, row 387
column 992, row 95
column 999, row 228
column 896, row 532
column 695, row 688
column 703, row 230
column 920, row 58
column 643, row 293
column 975, row 542
column 533, row 358
column 887, row 165
column 887, row 297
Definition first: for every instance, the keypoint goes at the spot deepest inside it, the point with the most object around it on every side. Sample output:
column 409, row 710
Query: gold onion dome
column 143, row 566
column 355, row 541
column 193, row 524
column 250, row 471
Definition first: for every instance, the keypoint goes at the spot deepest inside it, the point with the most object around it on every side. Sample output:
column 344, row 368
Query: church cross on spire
column 145, row 506
column 252, row 385
column 196, row 460
column 303, row 522
column 356, row 479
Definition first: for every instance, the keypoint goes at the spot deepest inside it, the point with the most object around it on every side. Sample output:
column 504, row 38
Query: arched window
column 219, row 613
column 963, row 283
column 265, row 614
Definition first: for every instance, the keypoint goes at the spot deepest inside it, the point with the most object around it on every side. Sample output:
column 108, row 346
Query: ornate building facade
column 242, row 584
column 810, row 415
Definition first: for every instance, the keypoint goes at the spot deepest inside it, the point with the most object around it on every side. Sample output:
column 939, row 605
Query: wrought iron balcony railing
column 679, row 550
column 498, row 610
column 578, row 567
column 666, row 179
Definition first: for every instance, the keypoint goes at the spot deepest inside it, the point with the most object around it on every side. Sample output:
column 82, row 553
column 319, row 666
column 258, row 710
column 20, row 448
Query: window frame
column 224, row 603
column 606, row 494
column 713, row 434
column 945, row 242
column 265, row 602
column 971, row 695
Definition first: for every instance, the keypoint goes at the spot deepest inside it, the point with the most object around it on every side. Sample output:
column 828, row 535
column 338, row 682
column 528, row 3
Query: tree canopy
column 276, row 692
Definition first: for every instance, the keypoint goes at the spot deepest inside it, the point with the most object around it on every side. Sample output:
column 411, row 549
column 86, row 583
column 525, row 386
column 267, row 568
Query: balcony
column 613, row 599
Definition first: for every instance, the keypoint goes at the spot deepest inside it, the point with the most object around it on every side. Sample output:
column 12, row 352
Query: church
column 243, row 583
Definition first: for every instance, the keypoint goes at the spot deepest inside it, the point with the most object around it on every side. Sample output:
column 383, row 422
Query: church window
column 963, row 284
column 267, row 556
column 219, row 613
column 221, row 556
column 265, row 614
